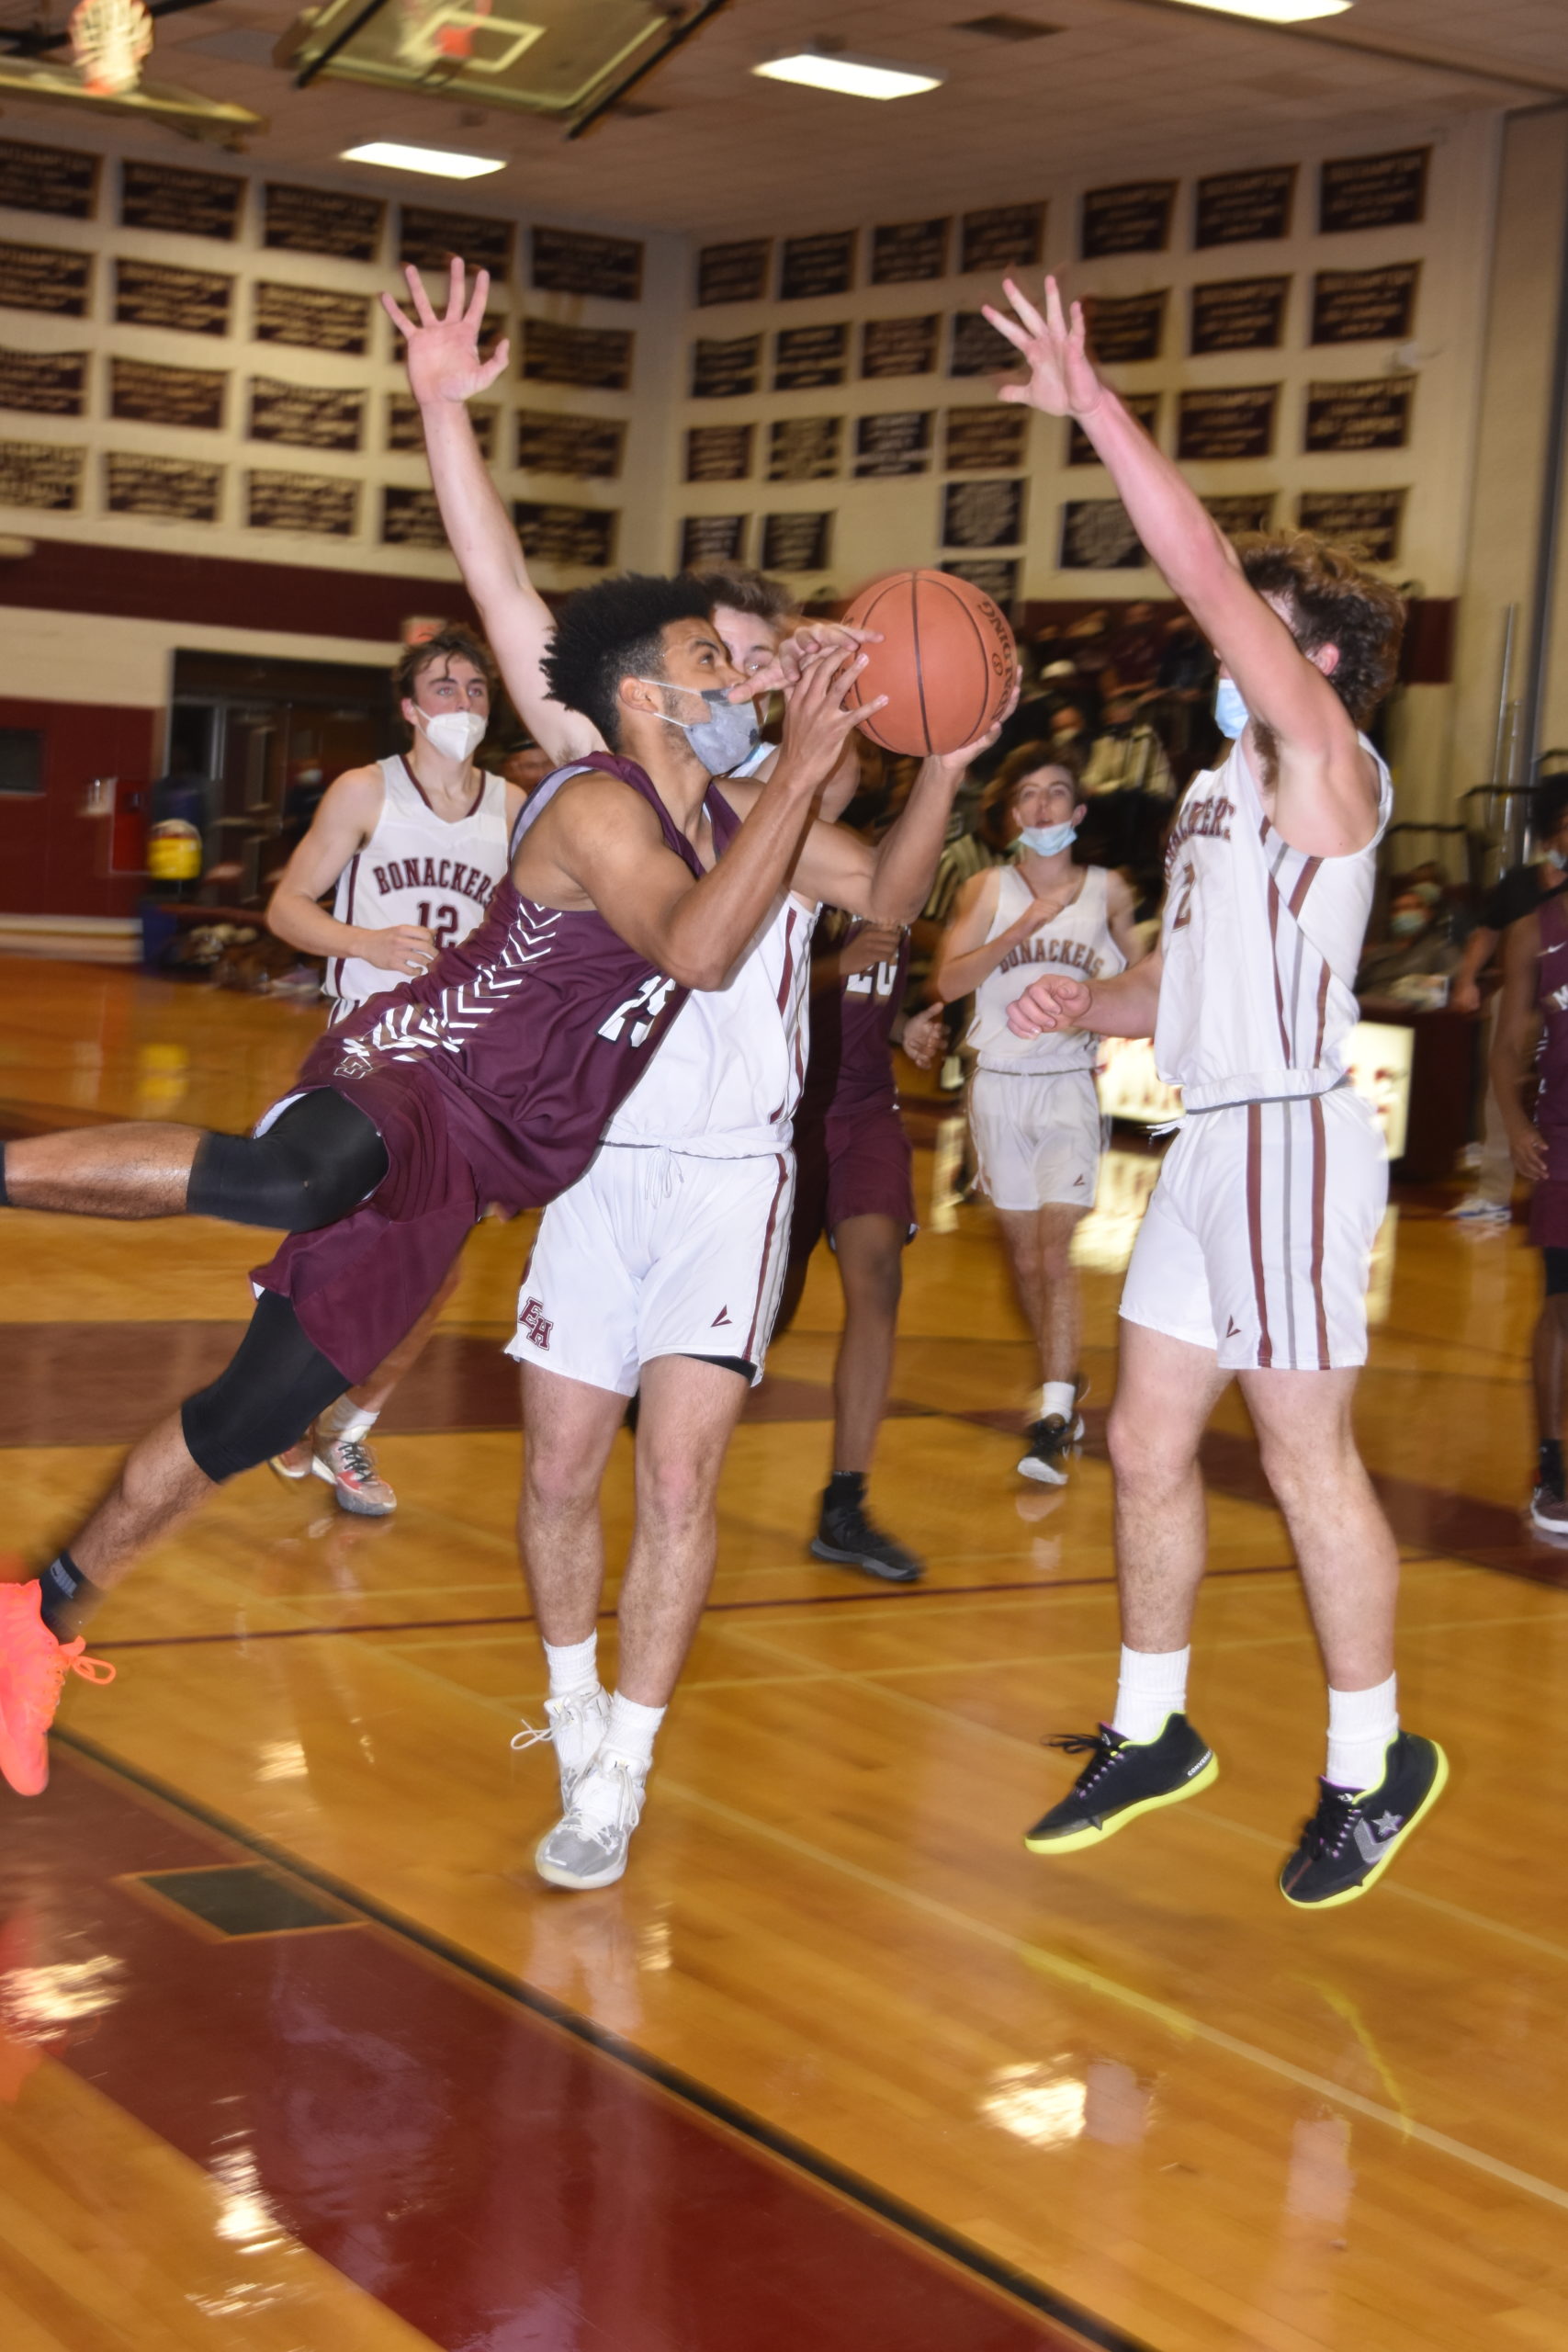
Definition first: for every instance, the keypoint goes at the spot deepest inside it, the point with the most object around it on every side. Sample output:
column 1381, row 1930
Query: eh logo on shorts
column 538, row 1324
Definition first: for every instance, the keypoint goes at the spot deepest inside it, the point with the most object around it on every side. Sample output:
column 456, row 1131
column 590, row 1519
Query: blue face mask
column 722, row 740
column 1047, row 840
column 1231, row 714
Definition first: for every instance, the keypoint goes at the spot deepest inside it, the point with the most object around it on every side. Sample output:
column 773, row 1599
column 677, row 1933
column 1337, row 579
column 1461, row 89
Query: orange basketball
column 947, row 661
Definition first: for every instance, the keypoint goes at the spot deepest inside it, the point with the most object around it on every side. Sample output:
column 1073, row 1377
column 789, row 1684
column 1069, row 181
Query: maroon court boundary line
column 987, row 2269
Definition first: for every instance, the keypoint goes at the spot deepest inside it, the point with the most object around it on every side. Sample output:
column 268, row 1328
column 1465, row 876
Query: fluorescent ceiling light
column 856, row 77
column 1272, row 12
column 439, row 161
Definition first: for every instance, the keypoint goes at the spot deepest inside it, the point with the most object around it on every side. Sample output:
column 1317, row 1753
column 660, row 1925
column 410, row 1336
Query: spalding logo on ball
column 946, row 662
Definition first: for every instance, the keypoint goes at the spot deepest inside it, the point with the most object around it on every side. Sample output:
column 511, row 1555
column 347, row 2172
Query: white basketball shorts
column 1037, row 1136
column 1257, row 1238
column 657, row 1253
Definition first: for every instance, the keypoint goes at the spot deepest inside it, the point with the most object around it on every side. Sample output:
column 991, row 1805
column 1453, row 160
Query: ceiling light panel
column 439, row 162
column 853, row 77
column 1269, row 12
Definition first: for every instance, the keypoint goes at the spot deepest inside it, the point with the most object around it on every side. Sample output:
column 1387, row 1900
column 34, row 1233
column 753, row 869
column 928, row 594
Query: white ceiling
column 1122, row 88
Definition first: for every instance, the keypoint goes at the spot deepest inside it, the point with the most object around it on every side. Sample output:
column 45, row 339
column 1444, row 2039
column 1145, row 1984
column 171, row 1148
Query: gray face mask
column 724, row 739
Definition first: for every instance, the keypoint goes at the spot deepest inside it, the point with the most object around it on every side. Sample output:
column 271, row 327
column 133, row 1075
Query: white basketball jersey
column 724, row 1082
column 1077, row 941
column 1261, row 945
column 417, row 868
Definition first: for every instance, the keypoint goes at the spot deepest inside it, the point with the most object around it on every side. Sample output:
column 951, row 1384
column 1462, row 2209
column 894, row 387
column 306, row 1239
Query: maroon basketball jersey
column 537, row 1025
column 850, row 1065
column 1551, row 997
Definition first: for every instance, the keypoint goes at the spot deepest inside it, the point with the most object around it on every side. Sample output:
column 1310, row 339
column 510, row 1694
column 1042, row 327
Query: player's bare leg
column 570, row 1427
column 1039, row 1250
column 158, row 1485
column 688, row 1411
column 138, row 1169
column 870, row 1254
column 337, row 1448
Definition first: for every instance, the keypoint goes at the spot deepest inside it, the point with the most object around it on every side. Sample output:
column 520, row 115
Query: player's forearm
column 1181, row 537
column 959, row 975
column 1509, row 1066
column 1477, row 955
column 478, row 528
column 905, row 860
column 302, row 922
column 1125, row 1006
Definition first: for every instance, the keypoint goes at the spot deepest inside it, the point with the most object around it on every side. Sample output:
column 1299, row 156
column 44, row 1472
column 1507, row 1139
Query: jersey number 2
column 445, row 926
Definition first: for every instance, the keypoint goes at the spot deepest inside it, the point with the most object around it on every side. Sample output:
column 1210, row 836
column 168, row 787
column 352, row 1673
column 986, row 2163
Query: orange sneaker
column 33, row 1668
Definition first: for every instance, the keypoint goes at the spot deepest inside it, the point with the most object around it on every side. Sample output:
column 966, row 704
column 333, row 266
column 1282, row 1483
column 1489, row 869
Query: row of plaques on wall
column 1237, row 314
column 1134, row 217
column 171, row 199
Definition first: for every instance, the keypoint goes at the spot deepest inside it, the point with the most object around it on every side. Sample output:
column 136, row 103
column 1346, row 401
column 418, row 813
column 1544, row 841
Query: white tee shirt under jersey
column 1261, row 945
column 1077, row 941
column 418, row 868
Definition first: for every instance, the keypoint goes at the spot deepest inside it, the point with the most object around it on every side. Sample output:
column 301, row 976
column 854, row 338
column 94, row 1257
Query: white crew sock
column 1152, row 1685
column 1360, row 1724
column 346, row 1419
column 630, row 1731
column 573, row 1666
column 1057, row 1398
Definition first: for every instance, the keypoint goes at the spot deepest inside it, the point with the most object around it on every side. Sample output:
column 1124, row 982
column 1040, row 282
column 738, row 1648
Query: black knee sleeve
column 266, row 1398
column 313, row 1166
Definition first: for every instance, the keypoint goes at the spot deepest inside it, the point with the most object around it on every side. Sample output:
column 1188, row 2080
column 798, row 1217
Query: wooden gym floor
column 296, row 2052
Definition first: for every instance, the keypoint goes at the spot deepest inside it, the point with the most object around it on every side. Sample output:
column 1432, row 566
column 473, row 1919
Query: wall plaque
column 430, row 239
column 322, row 221
column 45, row 277
column 1366, row 519
column 1244, row 208
column 1145, row 406
column 584, row 534
column 723, row 371
column 719, row 452
column 1005, row 236
column 1373, row 191
column 172, row 489
column 61, row 180
column 898, row 346
column 178, row 202
column 1365, row 305
column 1239, row 314
column 405, row 432
column 978, row 348
column 983, row 440
column 1125, row 327
column 995, row 576
column 796, row 542
column 1241, row 511
column 1133, row 217
column 322, row 504
column 590, row 448
column 1096, row 536
column 599, row 358
column 983, row 513
column 806, row 359
column 813, row 267
column 905, row 250
column 45, row 474
column 1370, row 416
column 896, row 443
column 711, row 538
column 307, row 416
column 736, row 273
column 410, row 518
column 803, row 449
column 44, row 383
column 184, row 399
column 312, row 318
column 185, row 301
column 567, row 262
column 1237, row 421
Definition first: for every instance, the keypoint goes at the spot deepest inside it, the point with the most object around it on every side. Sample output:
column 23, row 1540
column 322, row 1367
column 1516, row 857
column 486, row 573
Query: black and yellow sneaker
column 1352, row 1838
column 1122, row 1779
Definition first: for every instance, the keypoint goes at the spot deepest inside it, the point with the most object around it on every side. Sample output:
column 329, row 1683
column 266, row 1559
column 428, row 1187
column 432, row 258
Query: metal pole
column 1504, row 681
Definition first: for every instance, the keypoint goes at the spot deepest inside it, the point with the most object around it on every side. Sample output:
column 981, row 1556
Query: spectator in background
column 1416, row 947
column 987, row 844
column 1128, row 755
column 1185, row 716
column 526, row 767
column 1070, row 733
column 1135, row 647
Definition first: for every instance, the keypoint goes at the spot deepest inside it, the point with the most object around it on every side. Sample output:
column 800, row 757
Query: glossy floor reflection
column 970, row 2094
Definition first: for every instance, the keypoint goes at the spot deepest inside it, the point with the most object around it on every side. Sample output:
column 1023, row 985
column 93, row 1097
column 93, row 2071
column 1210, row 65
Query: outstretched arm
column 445, row 372
column 1326, row 801
column 1513, row 1047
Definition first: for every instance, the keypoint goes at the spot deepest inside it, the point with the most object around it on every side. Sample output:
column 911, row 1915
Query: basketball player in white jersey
column 414, row 846
column 1033, row 1110
column 1252, row 1261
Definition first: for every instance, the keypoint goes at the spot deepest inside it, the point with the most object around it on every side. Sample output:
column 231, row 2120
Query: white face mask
column 455, row 734
column 1047, row 840
column 1231, row 714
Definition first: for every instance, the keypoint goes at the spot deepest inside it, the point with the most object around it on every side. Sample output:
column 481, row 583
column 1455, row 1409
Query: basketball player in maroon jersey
column 1529, row 1059
column 489, row 1078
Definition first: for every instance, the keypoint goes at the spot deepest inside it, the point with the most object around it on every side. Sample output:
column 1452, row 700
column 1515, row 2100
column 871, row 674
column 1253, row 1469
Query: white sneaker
column 576, row 1728
column 349, row 1468
column 587, row 1848
column 1476, row 1209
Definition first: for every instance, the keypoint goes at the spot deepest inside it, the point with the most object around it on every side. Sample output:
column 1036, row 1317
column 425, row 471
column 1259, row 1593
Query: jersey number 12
column 444, row 929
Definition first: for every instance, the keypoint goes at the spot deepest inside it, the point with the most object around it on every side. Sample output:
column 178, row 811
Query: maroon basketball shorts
column 1548, row 1213
column 855, row 1161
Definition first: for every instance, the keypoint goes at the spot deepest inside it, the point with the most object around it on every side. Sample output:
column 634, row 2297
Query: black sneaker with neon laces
column 845, row 1533
column 1353, row 1836
column 1122, row 1779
